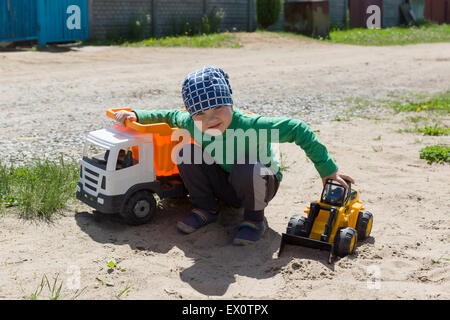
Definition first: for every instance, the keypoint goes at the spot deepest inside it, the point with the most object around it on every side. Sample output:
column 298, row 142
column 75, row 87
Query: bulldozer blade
column 306, row 242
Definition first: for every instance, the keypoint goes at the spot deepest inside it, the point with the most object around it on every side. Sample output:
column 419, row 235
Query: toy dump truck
column 122, row 167
column 335, row 223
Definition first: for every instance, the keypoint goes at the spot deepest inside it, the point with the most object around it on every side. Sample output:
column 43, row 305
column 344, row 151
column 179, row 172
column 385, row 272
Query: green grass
column 284, row 167
column 428, row 130
column 214, row 40
column 437, row 108
column 54, row 290
column 438, row 103
column 377, row 148
column 436, row 153
column 392, row 36
column 127, row 288
column 38, row 189
column 286, row 34
column 416, row 119
column 434, row 130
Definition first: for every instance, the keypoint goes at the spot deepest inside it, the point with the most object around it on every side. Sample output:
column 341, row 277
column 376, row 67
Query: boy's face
column 215, row 120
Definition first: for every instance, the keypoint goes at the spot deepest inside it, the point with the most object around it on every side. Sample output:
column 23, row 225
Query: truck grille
column 90, row 187
column 90, row 179
column 91, row 172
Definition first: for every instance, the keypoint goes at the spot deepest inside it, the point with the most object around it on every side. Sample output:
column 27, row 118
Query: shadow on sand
column 216, row 260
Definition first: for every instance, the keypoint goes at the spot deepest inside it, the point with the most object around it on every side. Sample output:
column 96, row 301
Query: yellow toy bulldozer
column 335, row 223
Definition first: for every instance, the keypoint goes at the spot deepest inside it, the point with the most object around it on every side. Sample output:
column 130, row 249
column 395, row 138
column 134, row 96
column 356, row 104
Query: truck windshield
column 96, row 155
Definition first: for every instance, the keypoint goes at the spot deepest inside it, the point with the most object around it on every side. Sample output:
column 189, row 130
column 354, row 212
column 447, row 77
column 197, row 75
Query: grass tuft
column 39, row 188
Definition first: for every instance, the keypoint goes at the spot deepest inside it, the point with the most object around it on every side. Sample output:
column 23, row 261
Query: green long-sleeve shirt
column 249, row 135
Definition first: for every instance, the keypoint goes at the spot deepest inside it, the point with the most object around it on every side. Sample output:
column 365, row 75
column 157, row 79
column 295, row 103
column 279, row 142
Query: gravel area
column 52, row 99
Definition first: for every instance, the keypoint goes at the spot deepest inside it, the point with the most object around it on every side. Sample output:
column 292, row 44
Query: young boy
column 232, row 159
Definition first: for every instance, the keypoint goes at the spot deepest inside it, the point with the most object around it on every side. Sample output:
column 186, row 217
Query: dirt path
column 54, row 99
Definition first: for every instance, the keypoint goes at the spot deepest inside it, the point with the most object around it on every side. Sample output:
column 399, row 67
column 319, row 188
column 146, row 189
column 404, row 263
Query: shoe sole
column 185, row 228
column 242, row 242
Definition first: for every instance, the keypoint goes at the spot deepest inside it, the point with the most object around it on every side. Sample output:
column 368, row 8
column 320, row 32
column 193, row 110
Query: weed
column 35, row 295
column 406, row 130
column 159, row 202
column 377, row 149
column 434, row 131
column 436, row 153
column 337, row 118
column 211, row 22
column 416, row 119
column 111, row 263
column 138, row 25
column 191, row 26
column 428, row 130
column 54, row 289
column 283, row 166
column 127, row 288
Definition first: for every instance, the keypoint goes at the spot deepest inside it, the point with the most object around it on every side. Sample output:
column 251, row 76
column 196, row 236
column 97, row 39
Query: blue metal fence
column 18, row 20
column 63, row 20
column 44, row 20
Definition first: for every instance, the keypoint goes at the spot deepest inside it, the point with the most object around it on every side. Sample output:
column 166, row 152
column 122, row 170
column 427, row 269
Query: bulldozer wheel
column 295, row 225
column 139, row 208
column 345, row 241
column 364, row 224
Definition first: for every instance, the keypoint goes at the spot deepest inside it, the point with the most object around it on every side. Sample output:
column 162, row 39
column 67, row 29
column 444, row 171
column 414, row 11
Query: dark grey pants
column 250, row 185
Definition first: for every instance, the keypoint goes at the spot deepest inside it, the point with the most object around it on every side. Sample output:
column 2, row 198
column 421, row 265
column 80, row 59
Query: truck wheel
column 295, row 224
column 345, row 241
column 139, row 208
column 364, row 224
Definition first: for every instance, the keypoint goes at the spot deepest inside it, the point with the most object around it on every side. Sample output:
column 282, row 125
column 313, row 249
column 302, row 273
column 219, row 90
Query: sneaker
column 249, row 232
column 196, row 220
column 230, row 216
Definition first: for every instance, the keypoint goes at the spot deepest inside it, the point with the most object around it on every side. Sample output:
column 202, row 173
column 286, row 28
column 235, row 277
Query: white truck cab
column 118, row 174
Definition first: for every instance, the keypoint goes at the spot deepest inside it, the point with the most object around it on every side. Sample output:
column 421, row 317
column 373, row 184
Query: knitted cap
column 206, row 88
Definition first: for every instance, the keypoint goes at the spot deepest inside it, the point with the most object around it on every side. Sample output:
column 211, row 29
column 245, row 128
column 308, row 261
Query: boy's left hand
column 339, row 177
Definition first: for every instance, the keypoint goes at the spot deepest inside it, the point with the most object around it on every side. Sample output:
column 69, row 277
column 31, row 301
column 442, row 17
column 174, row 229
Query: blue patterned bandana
column 206, row 88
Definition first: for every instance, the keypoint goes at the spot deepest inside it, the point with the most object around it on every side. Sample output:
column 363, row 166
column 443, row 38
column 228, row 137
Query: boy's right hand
column 122, row 115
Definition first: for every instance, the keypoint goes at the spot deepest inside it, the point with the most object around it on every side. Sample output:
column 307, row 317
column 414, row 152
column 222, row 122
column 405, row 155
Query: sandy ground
column 406, row 256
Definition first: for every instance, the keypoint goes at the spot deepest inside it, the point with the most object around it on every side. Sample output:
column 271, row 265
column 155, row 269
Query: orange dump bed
column 162, row 143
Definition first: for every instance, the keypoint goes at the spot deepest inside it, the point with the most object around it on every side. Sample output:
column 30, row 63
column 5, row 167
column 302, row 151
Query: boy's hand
column 123, row 115
column 339, row 177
